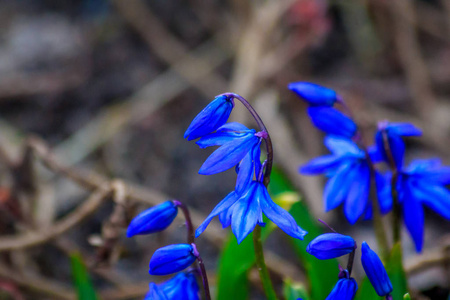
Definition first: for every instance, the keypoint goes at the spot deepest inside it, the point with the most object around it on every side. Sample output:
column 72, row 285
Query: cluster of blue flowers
column 243, row 208
column 333, row 245
column 350, row 166
column 169, row 259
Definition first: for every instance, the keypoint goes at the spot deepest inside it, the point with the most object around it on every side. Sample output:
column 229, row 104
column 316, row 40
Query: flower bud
column 332, row 121
column 331, row 245
column 210, row 118
column 171, row 259
column 314, row 94
column 345, row 289
column 154, row 219
column 375, row 271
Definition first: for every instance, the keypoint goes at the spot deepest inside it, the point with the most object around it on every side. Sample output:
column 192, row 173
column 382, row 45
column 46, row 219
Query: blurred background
column 95, row 96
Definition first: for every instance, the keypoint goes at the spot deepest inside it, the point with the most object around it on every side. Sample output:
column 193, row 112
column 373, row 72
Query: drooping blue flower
column 247, row 210
column 171, row 259
column 230, row 153
column 154, row 219
column 422, row 183
column 375, row 271
column 332, row 121
column 314, row 94
column 394, row 132
column 331, row 245
column 349, row 175
column 345, row 289
column 210, row 118
column 155, row 293
column 182, row 286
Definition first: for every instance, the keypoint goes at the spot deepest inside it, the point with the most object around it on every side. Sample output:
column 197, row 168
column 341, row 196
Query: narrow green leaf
column 234, row 264
column 294, row 291
column 396, row 272
column 81, row 279
column 322, row 274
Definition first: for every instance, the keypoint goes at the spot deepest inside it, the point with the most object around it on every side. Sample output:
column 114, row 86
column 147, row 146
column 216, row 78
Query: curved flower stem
column 202, row 272
column 187, row 216
column 396, row 210
column 259, row 253
column 351, row 258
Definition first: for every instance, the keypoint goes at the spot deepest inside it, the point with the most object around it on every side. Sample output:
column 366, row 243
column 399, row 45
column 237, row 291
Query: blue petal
column 232, row 127
column 396, row 146
column 375, row 155
column 338, row 186
column 404, row 129
column 434, row 196
column 218, row 138
column 228, row 201
column 245, row 214
column 257, row 159
column 375, row 271
column 278, row 215
column 331, row 245
column 228, row 155
column 345, row 289
column 340, row 146
column 182, row 286
column 413, row 217
column 210, row 118
column 154, row 219
column 225, row 216
column 155, row 293
column 313, row 94
column 171, row 259
column 320, row 165
column 384, row 193
column 245, row 174
column 356, row 201
column 332, row 121
column 430, row 170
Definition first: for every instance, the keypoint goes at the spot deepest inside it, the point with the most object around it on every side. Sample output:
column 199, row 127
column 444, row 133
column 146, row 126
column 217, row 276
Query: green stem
column 261, row 265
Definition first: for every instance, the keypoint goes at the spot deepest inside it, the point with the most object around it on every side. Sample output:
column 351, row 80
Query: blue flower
column 349, row 174
column 171, row 259
column 314, row 94
column 422, row 183
column 182, row 286
column 210, row 118
column 394, row 132
column 331, row 245
column 345, row 289
column 247, row 210
column 154, row 219
column 230, row 153
column 375, row 271
column 332, row 121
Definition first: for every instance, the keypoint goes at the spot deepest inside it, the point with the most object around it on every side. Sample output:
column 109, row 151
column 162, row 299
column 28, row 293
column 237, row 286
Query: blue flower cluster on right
column 350, row 169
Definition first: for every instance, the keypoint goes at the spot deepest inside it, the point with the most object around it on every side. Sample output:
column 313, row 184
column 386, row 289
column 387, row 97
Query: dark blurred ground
column 111, row 86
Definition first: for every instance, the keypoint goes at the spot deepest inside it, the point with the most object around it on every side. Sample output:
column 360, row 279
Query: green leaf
column 396, row 272
column 366, row 291
column 234, row 263
column 81, row 279
column 294, row 291
column 406, row 296
column 322, row 274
